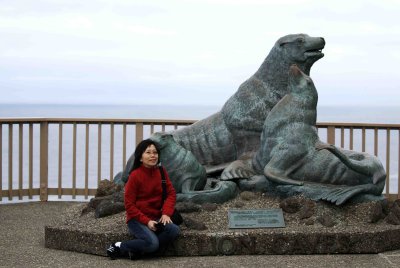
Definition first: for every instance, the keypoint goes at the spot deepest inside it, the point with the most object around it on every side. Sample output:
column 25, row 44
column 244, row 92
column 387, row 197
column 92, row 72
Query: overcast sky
column 190, row 51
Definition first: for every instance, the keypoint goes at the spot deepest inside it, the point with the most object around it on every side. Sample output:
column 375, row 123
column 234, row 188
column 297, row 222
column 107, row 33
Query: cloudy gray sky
column 190, row 51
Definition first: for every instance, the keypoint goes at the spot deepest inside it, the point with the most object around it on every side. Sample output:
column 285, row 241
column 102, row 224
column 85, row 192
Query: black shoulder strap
column 163, row 184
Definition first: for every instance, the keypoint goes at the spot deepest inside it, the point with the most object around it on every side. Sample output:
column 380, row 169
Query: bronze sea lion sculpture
column 235, row 130
column 291, row 152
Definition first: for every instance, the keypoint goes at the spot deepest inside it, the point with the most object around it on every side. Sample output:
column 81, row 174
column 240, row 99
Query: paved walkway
column 22, row 245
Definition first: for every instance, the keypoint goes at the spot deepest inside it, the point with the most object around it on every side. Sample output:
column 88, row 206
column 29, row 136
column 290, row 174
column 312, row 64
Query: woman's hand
column 165, row 219
column 152, row 225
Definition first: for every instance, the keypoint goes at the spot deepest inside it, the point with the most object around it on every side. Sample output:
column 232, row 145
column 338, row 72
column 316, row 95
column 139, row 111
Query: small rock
column 307, row 210
column 309, row 221
column 105, row 188
column 94, row 202
column 394, row 215
column 118, row 196
column 386, row 205
column 397, row 202
column 187, row 207
column 291, row 204
column 376, row 213
column 326, row 220
column 209, row 207
column 193, row 224
column 247, row 195
column 239, row 204
column 107, row 193
column 392, row 219
column 86, row 210
column 108, row 207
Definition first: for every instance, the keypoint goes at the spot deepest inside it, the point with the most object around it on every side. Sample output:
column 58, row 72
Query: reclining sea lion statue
column 292, row 154
column 234, row 132
column 187, row 175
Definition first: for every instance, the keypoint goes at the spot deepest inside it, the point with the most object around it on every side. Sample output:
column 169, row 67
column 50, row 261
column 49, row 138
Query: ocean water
column 381, row 115
column 361, row 114
column 108, row 111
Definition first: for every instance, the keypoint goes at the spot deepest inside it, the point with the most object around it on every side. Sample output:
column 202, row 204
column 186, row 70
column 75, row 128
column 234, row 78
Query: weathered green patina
column 265, row 139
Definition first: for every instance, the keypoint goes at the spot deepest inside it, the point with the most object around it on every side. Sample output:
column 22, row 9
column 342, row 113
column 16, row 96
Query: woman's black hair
column 140, row 149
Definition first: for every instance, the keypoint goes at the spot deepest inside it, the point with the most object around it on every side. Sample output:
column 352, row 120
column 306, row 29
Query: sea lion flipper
column 279, row 176
column 319, row 145
column 239, row 169
column 341, row 195
column 357, row 166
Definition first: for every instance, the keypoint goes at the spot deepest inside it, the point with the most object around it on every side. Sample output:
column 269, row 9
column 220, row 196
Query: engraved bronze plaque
column 256, row 218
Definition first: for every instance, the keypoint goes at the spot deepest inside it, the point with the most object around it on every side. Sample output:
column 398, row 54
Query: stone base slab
column 242, row 242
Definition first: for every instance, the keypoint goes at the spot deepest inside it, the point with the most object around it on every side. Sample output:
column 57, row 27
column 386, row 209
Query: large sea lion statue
column 234, row 132
column 291, row 152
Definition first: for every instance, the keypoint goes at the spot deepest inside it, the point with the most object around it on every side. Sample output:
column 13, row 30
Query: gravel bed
column 352, row 217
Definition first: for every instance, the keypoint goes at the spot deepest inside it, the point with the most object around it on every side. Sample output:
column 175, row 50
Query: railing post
column 1, row 162
column 331, row 134
column 44, row 160
column 111, row 151
column 20, row 162
column 139, row 133
column 10, row 161
column 99, row 154
column 387, row 185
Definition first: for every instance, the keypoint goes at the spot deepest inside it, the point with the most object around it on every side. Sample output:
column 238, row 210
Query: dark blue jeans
column 146, row 240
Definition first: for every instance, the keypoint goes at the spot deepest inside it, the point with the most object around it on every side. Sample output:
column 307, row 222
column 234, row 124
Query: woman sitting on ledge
column 147, row 214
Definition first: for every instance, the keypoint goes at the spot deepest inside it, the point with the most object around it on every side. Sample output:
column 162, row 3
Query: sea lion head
column 302, row 48
column 163, row 139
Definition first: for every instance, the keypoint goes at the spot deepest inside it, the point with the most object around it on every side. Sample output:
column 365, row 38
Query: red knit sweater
column 143, row 195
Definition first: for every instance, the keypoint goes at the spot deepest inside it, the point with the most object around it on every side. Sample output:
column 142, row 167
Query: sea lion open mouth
column 313, row 52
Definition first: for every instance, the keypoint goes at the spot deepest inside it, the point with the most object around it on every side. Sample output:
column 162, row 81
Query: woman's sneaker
column 113, row 251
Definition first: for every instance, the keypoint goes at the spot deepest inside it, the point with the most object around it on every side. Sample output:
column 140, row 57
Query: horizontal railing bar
column 359, row 125
column 74, row 191
column 51, row 191
column 96, row 120
column 171, row 122
column 25, row 192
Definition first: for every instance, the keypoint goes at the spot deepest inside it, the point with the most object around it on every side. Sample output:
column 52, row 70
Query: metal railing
column 69, row 157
